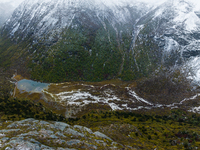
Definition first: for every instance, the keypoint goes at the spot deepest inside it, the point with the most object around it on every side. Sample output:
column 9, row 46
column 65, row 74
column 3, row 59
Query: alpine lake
column 71, row 99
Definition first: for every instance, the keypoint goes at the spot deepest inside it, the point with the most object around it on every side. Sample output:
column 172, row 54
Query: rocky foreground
column 31, row 134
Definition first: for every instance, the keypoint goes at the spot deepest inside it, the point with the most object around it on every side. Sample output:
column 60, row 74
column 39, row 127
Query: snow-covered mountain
column 176, row 29
column 91, row 36
column 42, row 17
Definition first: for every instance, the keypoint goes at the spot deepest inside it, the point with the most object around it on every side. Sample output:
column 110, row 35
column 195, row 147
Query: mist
column 8, row 6
column 14, row 3
column 6, row 9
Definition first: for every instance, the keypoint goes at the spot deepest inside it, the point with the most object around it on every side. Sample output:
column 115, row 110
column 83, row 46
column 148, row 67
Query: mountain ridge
column 137, row 38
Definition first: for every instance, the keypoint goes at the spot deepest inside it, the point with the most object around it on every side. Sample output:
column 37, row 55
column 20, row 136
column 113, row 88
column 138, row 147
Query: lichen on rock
column 31, row 134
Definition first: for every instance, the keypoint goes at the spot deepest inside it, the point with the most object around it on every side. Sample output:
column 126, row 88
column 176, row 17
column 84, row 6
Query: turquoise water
column 31, row 86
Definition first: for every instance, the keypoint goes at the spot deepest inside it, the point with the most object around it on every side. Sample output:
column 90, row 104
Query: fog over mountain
column 6, row 9
column 14, row 3
column 7, row 6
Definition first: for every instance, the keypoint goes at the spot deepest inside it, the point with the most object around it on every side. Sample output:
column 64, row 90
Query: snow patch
column 132, row 93
column 170, row 45
column 84, row 98
column 15, row 29
column 185, row 13
column 195, row 110
column 194, row 66
column 158, row 13
column 192, row 22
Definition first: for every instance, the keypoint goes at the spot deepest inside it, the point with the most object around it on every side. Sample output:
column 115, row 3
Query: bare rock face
column 41, row 135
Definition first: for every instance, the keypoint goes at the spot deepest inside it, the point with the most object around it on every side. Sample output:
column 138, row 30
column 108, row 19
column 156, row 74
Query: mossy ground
column 161, row 128
column 174, row 129
column 156, row 128
column 17, row 109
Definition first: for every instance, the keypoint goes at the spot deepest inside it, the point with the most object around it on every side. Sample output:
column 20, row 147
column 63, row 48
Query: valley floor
column 77, row 117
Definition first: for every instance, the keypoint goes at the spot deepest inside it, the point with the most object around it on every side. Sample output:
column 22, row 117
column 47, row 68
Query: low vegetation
column 153, row 129
column 18, row 109
column 81, row 54
column 174, row 129
column 165, row 87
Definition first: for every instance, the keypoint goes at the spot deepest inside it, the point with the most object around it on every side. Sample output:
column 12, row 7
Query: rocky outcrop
column 42, row 135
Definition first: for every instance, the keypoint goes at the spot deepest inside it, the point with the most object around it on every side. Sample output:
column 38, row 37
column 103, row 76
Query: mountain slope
column 83, row 40
column 92, row 40
column 174, row 28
